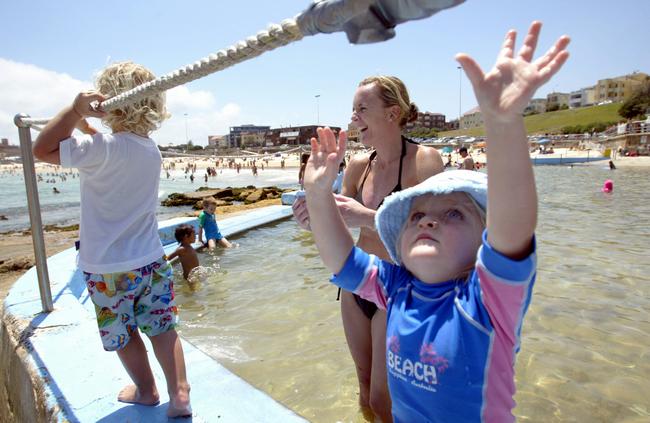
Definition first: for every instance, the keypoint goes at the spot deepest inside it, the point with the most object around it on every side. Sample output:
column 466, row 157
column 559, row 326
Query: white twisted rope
column 275, row 36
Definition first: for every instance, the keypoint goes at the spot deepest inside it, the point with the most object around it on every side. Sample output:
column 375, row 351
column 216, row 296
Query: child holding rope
column 464, row 254
column 129, row 281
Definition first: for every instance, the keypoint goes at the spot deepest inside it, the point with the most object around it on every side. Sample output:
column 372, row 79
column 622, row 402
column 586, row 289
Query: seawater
column 63, row 208
column 269, row 314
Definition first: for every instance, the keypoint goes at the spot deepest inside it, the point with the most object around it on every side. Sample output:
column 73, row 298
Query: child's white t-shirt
column 119, row 176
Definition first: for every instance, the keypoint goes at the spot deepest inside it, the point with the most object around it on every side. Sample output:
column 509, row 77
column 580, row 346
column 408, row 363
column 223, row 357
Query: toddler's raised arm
column 332, row 237
column 502, row 95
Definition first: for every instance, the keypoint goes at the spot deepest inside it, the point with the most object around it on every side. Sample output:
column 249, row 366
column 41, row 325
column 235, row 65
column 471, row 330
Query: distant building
column 252, row 139
column 236, row 132
column 620, row 88
column 427, row 120
column 353, row 133
column 451, row 125
column 556, row 100
column 471, row 119
column 582, row 97
column 293, row 135
column 536, row 105
column 217, row 141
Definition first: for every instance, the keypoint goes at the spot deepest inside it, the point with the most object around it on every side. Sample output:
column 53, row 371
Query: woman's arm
column 502, row 94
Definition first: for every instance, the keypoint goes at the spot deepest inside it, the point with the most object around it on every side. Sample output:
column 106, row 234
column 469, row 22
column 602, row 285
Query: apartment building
column 236, row 132
column 557, row 100
column 293, row 135
column 582, row 97
column 471, row 119
column 427, row 120
column 217, row 141
column 353, row 133
column 620, row 88
column 536, row 105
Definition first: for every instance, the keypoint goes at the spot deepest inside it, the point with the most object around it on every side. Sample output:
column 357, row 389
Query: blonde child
column 185, row 252
column 464, row 254
column 120, row 254
column 208, row 224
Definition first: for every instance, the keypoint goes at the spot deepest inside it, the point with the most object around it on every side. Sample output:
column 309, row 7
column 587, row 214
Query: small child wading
column 121, row 256
column 208, row 225
column 185, row 252
column 458, row 288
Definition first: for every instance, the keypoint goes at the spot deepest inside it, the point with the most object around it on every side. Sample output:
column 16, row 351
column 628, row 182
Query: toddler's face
column 210, row 208
column 441, row 236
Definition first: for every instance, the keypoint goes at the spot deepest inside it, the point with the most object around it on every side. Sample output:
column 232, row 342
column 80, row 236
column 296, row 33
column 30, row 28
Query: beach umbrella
column 447, row 150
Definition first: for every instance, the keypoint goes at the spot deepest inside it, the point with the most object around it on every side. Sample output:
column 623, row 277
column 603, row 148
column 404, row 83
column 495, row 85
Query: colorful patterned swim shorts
column 124, row 301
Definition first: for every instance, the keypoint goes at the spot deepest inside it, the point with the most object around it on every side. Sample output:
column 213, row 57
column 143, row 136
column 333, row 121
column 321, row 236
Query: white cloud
column 42, row 93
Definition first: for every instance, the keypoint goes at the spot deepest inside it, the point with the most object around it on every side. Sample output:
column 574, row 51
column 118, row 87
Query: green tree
column 637, row 105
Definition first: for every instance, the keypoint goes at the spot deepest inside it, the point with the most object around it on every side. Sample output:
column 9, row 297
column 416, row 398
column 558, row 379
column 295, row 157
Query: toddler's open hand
column 505, row 91
column 323, row 164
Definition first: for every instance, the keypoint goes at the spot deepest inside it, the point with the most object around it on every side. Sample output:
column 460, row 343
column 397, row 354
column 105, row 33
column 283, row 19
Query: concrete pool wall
column 56, row 370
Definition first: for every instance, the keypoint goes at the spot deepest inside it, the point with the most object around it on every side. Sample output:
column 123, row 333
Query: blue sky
column 51, row 50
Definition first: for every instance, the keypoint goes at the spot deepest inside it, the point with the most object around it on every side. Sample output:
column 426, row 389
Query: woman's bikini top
column 398, row 187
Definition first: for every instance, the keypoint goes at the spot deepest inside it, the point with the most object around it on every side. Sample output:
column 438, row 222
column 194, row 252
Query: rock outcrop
column 224, row 196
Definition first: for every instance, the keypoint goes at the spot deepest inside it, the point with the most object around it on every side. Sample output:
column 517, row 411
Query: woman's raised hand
column 506, row 90
column 323, row 164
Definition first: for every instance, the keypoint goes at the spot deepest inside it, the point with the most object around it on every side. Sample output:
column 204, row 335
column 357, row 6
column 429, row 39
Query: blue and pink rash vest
column 451, row 346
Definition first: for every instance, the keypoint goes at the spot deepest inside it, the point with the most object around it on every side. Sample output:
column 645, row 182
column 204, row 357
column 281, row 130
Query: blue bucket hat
column 395, row 210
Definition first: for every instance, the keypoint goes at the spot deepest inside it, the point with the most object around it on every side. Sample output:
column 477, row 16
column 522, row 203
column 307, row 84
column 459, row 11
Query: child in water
column 121, row 256
column 208, row 223
column 463, row 255
column 185, row 236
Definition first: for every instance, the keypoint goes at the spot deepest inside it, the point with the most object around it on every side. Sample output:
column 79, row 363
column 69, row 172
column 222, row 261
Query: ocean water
column 269, row 314
column 63, row 208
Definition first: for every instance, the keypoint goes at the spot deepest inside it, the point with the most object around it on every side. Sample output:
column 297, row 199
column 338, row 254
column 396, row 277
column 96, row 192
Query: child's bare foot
column 179, row 404
column 131, row 395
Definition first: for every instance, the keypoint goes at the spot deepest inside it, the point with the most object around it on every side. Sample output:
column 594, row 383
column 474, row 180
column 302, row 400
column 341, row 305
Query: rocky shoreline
column 224, row 196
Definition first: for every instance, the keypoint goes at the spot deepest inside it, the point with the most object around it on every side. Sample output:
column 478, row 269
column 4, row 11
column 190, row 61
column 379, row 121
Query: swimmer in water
column 608, row 186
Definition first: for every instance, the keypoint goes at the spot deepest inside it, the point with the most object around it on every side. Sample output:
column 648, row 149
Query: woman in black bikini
column 380, row 111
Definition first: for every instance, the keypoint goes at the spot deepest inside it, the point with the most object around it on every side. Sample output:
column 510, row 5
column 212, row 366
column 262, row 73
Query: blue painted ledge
column 81, row 380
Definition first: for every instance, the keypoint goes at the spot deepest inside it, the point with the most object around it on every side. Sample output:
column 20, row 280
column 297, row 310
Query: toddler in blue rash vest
column 463, row 251
column 208, row 225
column 121, row 256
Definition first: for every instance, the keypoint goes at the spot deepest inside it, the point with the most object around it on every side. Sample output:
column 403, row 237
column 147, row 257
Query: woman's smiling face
column 369, row 114
column 441, row 236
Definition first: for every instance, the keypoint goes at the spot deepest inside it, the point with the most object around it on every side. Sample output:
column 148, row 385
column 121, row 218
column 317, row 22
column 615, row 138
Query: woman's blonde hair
column 141, row 117
column 393, row 92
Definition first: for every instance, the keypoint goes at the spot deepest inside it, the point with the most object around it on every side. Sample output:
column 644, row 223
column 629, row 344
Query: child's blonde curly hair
column 141, row 117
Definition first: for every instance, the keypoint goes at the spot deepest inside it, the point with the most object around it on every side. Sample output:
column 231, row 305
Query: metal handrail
column 23, row 123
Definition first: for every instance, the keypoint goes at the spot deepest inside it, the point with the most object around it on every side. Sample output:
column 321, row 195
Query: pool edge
column 67, row 376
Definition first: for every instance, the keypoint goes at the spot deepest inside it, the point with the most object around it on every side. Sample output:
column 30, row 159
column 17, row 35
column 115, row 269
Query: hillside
column 553, row 122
